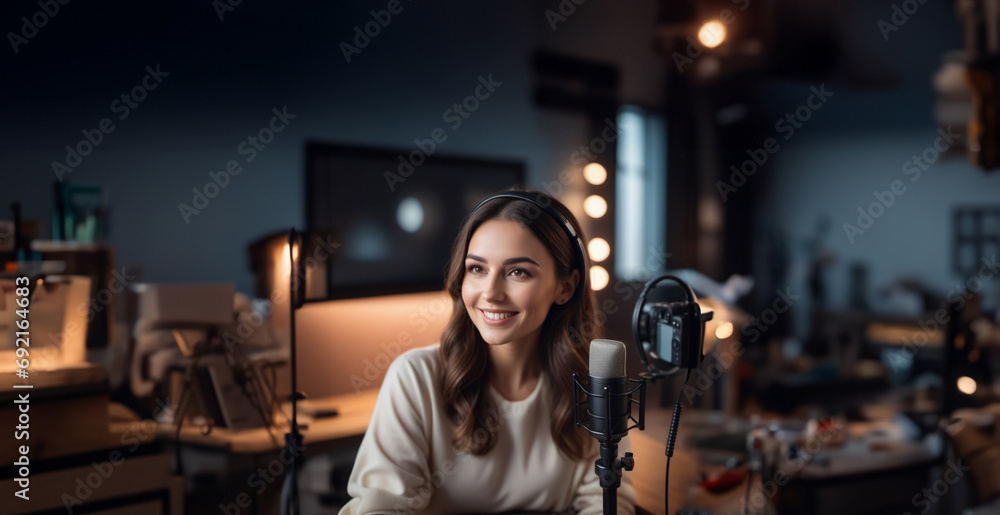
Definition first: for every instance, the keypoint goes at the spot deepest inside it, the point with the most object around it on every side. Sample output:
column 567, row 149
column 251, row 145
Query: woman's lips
column 497, row 317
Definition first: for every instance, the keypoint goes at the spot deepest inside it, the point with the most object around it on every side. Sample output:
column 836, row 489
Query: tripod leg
column 179, row 412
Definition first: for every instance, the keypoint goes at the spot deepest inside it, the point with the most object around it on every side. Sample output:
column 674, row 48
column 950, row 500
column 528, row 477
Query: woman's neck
column 515, row 369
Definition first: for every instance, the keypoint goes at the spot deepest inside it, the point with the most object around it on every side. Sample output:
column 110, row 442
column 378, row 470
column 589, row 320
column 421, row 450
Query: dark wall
column 881, row 113
column 222, row 79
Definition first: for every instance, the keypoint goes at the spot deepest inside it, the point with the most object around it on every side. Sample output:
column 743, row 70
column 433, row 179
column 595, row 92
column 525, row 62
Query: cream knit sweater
column 407, row 464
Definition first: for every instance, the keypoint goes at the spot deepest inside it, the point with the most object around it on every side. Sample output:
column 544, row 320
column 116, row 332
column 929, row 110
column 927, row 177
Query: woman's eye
column 474, row 269
column 518, row 272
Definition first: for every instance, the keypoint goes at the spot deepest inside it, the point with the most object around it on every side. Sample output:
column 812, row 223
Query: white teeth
column 497, row 316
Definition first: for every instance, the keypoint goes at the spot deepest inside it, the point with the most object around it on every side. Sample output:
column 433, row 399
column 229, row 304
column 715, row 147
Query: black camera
column 669, row 335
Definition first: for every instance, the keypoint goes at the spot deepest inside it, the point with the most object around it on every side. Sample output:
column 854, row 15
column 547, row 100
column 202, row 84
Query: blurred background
column 824, row 175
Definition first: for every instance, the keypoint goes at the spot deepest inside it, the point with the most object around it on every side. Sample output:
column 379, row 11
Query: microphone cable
column 671, row 440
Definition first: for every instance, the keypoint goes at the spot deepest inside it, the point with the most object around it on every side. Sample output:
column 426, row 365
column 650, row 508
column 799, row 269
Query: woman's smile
column 497, row 317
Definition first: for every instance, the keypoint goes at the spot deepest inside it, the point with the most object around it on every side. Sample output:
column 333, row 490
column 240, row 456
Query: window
column 641, row 194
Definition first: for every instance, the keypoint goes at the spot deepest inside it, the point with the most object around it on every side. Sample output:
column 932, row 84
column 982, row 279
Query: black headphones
column 544, row 202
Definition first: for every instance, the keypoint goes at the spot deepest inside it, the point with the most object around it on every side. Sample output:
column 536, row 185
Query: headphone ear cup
column 581, row 286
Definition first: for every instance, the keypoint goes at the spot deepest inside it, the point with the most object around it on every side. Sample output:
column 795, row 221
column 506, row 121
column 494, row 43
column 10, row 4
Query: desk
column 119, row 479
column 354, row 412
column 864, row 475
column 874, row 471
column 251, row 449
column 242, row 471
column 650, row 464
column 78, row 458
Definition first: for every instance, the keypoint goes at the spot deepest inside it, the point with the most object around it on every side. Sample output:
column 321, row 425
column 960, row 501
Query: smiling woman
column 483, row 423
column 510, row 283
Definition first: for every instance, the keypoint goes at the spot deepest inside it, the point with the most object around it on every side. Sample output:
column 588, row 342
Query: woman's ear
column 567, row 287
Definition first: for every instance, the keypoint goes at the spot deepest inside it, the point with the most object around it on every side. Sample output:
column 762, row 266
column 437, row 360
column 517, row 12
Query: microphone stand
column 293, row 439
column 608, row 467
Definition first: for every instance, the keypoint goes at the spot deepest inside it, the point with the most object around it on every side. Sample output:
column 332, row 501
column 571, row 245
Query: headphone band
column 544, row 202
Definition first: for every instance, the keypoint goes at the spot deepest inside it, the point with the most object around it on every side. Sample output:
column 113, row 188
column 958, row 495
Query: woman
column 483, row 422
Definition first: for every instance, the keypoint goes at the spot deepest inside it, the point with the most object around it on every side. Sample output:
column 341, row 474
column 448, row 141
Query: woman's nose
column 494, row 290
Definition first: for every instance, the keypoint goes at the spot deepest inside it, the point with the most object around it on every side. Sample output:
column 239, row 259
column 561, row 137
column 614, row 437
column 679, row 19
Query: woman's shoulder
column 415, row 364
column 412, row 378
column 420, row 356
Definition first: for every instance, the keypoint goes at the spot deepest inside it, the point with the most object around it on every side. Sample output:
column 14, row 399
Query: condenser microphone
column 609, row 407
column 607, row 391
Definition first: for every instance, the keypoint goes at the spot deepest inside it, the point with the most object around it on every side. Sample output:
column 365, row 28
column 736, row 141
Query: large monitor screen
column 395, row 213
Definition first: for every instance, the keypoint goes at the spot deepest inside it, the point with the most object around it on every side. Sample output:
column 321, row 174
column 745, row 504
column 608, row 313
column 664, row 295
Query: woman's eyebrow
column 508, row 261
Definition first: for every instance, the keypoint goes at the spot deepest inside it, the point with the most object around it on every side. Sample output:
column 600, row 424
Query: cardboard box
column 187, row 304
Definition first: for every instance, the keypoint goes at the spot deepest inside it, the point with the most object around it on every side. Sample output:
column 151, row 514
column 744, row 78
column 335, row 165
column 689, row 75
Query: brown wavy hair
column 562, row 348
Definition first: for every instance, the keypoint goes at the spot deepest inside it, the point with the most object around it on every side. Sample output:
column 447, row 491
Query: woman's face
column 510, row 283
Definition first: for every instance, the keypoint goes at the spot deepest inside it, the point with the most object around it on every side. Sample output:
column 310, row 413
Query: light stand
column 293, row 439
